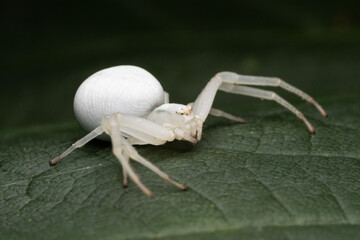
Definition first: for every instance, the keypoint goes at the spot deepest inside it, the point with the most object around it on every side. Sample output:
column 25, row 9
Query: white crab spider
column 131, row 107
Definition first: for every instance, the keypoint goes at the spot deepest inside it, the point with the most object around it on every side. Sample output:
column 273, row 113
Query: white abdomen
column 123, row 89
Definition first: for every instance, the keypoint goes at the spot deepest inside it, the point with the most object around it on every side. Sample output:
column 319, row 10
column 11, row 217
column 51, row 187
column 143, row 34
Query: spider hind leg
column 81, row 142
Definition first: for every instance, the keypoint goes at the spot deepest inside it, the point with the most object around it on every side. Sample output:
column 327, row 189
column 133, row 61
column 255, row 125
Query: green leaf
column 267, row 179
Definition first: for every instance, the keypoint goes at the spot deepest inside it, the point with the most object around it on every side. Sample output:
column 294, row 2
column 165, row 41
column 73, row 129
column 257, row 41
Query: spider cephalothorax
column 180, row 120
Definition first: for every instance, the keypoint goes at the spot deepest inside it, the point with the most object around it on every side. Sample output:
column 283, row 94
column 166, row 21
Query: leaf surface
column 267, row 179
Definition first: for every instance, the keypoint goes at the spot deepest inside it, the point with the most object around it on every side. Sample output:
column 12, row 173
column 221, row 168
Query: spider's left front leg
column 142, row 130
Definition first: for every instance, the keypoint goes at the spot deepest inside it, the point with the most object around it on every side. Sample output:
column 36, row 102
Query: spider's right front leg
column 232, row 83
column 231, row 78
column 143, row 130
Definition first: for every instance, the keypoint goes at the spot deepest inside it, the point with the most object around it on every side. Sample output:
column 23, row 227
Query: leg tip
column 183, row 187
column 323, row 113
column 239, row 120
column 55, row 160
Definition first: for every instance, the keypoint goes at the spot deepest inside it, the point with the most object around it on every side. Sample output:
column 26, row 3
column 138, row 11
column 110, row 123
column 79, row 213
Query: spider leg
column 204, row 101
column 81, row 142
column 230, row 82
column 140, row 130
column 219, row 113
column 119, row 143
column 137, row 157
column 125, row 175
column 268, row 95
column 234, row 78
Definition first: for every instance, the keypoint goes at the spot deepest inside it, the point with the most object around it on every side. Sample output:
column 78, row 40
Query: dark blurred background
column 49, row 47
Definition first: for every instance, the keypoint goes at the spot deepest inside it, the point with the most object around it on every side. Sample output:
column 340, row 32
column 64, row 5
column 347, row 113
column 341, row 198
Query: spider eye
column 185, row 110
column 180, row 112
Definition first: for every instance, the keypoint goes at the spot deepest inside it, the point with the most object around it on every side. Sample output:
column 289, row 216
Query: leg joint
column 278, row 82
column 274, row 95
column 228, row 77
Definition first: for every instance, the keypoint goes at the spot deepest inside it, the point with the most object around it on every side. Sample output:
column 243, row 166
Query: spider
column 128, row 104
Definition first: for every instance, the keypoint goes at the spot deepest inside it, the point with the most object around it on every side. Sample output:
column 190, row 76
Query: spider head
column 186, row 110
column 180, row 119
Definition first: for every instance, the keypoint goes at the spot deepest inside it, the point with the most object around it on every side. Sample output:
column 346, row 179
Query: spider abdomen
column 122, row 89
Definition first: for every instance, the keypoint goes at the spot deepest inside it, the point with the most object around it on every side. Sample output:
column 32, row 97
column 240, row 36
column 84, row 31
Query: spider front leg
column 119, row 144
column 219, row 113
column 231, row 82
column 142, row 130
column 234, row 78
column 125, row 175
